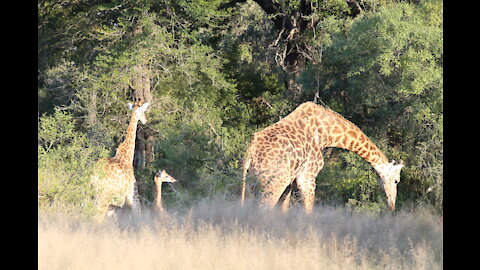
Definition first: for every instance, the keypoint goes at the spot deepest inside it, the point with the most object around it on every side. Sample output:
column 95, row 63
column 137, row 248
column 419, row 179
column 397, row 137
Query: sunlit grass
column 218, row 234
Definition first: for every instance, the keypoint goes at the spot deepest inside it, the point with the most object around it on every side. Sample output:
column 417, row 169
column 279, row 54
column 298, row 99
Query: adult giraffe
column 291, row 150
column 115, row 183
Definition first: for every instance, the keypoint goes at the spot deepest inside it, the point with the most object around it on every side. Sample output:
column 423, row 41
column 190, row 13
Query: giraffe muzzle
column 391, row 205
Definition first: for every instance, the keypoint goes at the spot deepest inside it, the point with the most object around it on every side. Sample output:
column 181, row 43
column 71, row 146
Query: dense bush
column 66, row 161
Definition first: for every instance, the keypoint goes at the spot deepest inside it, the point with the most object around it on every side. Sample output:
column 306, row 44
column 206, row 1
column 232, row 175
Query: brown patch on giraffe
column 309, row 110
column 299, row 123
column 351, row 144
column 356, row 146
column 360, row 140
column 345, row 141
column 352, row 134
column 337, row 139
column 301, row 133
column 341, row 125
column 336, row 130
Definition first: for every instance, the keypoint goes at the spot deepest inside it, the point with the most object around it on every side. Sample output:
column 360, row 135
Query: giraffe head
column 139, row 109
column 389, row 177
column 163, row 176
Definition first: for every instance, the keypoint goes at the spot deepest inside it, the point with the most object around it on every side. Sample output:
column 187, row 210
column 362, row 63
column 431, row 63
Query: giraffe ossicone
column 289, row 153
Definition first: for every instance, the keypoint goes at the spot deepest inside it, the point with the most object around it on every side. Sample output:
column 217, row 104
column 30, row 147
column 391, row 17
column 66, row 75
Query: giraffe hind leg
column 290, row 197
column 274, row 192
column 284, row 200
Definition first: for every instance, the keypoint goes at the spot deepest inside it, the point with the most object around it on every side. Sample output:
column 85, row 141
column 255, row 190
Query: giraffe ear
column 145, row 105
column 398, row 167
column 398, row 164
column 130, row 106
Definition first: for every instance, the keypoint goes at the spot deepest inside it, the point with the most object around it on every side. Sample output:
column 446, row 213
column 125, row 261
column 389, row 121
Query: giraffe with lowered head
column 115, row 183
column 289, row 153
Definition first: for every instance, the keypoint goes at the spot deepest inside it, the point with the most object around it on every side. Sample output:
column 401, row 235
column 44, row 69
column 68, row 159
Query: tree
column 297, row 23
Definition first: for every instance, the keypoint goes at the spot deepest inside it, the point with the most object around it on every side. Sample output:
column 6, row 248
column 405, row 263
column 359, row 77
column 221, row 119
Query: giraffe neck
column 126, row 149
column 360, row 145
column 333, row 130
column 158, row 196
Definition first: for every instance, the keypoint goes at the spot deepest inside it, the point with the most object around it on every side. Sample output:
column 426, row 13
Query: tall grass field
column 220, row 234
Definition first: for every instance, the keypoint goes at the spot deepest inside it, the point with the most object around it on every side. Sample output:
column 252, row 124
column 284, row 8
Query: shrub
column 66, row 161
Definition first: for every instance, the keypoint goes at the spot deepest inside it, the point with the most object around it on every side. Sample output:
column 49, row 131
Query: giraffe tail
column 246, row 165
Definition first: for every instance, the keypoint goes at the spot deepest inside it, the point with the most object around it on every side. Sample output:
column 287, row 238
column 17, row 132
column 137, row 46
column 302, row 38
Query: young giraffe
column 291, row 150
column 116, row 179
column 160, row 177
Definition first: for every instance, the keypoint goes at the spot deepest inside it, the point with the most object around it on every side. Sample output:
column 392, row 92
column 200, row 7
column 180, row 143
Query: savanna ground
column 221, row 234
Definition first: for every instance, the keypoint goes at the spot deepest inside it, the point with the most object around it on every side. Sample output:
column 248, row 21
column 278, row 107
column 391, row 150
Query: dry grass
column 222, row 235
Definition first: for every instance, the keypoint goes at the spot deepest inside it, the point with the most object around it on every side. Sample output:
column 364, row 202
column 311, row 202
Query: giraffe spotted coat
column 290, row 152
column 115, row 183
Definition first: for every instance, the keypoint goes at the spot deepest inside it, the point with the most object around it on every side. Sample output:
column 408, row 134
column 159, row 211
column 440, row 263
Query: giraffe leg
column 292, row 197
column 275, row 192
column 110, row 211
column 136, row 198
column 132, row 199
column 102, row 211
column 306, row 182
column 306, row 186
column 285, row 198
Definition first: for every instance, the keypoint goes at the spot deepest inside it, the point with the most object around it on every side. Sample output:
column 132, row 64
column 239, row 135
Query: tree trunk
column 142, row 90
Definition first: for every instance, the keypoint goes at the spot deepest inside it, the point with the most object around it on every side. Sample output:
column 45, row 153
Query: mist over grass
column 220, row 234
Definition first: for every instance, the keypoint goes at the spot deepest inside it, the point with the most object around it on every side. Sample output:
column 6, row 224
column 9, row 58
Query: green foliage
column 348, row 178
column 65, row 165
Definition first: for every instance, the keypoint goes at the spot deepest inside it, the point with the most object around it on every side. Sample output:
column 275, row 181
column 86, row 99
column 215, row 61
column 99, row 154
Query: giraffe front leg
column 306, row 182
column 306, row 186
column 102, row 210
column 132, row 199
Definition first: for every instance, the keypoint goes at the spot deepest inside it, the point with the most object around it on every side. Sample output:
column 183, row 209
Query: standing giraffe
column 160, row 177
column 289, row 153
column 115, row 183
